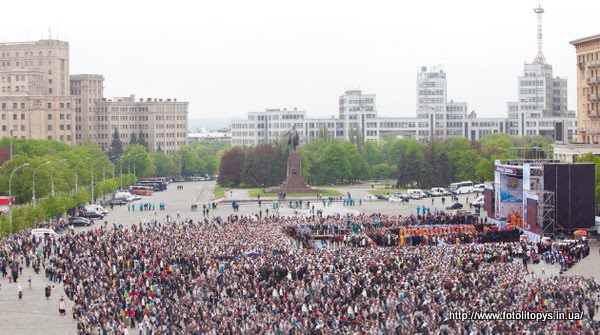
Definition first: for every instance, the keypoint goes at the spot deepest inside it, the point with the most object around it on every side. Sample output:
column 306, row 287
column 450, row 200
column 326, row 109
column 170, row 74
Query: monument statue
column 293, row 137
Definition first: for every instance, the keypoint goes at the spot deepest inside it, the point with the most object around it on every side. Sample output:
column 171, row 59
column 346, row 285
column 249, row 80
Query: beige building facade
column 87, row 90
column 35, row 101
column 588, row 89
column 39, row 99
column 163, row 122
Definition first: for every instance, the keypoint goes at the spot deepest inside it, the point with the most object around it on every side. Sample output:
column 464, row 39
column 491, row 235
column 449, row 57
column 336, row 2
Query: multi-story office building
column 540, row 110
column 162, row 122
column 357, row 110
column 87, row 89
column 39, row 99
column 34, row 91
column 542, row 98
column 204, row 136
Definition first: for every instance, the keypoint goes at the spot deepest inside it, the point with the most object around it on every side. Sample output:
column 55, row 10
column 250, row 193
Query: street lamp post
column 134, row 158
column 77, row 175
column 113, row 168
column 10, row 192
column 11, row 147
column 52, row 173
column 121, row 168
column 92, row 169
column 33, row 181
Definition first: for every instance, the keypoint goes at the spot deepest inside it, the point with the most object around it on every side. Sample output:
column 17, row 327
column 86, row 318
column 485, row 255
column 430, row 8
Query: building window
column 22, row 127
column 22, row 116
column 49, row 116
column 49, row 105
column 49, row 127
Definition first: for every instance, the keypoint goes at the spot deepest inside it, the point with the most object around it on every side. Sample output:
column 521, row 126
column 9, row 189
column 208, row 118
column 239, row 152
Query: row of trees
column 50, row 171
column 326, row 161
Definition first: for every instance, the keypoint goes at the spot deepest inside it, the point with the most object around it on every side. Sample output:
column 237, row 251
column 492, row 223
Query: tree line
column 408, row 162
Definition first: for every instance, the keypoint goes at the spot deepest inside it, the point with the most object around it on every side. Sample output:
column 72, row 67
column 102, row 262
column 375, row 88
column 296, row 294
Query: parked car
column 462, row 212
column 395, row 199
column 455, row 205
column 415, row 196
column 92, row 215
column 79, row 221
column 118, row 202
column 382, row 196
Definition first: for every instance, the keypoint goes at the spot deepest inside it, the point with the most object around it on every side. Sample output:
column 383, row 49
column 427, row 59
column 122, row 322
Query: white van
column 96, row 208
column 477, row 202
column 416, row 193
column 439, row 191
column 43, row 232
column 125, row 196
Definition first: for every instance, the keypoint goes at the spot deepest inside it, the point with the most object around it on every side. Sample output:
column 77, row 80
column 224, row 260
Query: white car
column 371, row 198
column 395, row 199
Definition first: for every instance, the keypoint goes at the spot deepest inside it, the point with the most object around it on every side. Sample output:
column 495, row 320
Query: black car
column 455, row 205
column 79, row 221
column 118, row 202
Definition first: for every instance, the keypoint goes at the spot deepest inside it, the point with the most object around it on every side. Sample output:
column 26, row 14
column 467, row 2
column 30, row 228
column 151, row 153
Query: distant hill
column 209, row 124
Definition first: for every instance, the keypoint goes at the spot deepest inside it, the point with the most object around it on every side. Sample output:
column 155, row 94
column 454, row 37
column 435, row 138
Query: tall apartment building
column 34, row 91
column 587, row 52
column 588, row 88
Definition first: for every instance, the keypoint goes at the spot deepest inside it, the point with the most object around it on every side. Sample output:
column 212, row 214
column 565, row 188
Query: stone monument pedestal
column 294, row 183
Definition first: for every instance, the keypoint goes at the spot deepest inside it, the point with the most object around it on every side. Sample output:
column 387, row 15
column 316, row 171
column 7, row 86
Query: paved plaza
column 35, row 315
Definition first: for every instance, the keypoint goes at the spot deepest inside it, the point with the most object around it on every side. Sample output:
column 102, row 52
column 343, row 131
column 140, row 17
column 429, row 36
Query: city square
column 265, row 167
column 35, row 314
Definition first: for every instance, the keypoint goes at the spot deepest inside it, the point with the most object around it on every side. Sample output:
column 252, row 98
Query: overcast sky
column 230, row 57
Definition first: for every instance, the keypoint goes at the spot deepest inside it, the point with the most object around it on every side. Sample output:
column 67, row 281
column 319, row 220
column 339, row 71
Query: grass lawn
column 219, row 192
column 386, row 190
column 253, row 192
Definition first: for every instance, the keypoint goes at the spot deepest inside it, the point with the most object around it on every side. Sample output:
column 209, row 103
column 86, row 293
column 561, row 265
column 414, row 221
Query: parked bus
column 141, row 190
column 462, row 187
column 156, row 185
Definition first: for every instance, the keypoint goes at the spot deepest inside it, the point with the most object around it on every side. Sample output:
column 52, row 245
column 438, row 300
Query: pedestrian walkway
column 33, row 314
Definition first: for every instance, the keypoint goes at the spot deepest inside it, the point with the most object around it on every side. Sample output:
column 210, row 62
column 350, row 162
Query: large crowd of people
column 262, row 275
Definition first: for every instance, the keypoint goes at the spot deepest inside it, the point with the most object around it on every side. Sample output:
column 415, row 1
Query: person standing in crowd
column 62, row 306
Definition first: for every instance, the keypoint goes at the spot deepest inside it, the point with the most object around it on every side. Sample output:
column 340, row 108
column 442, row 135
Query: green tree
column 116, row 146
column 133, row 139
column 141, row 139
column 334, row 164
column 163, row 163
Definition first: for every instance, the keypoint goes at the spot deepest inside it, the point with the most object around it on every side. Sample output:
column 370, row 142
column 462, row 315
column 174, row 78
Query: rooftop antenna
column 539, row 58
